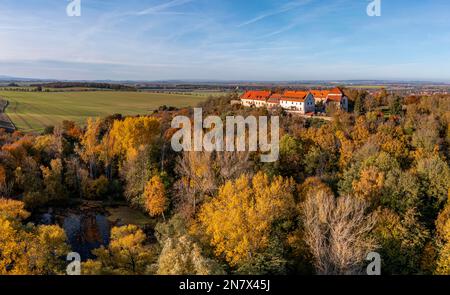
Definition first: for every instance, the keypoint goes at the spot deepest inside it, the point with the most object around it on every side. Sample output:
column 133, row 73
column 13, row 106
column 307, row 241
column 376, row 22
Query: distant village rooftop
column 303, row 101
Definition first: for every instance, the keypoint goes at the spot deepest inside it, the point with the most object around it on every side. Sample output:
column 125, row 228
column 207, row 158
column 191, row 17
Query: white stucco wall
column 255, row 103
column 292, row 105
column 305, row 107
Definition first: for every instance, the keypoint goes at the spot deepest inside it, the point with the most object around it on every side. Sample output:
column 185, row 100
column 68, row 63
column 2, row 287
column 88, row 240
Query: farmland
column 33, row 111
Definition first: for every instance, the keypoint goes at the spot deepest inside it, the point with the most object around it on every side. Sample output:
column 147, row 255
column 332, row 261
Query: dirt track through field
column 5, row 121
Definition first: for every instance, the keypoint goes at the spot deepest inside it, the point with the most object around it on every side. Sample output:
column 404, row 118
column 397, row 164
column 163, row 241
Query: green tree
column 358, row 107
column 53, row 180
column 402, row 240
column 395, row 105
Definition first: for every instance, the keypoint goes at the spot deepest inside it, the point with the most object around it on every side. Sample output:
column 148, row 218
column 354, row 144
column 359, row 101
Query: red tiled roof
column 320, row 93
column 334, row 94
column 256, row 95
column 276, row 95
column 295, row 95
column 336, row 90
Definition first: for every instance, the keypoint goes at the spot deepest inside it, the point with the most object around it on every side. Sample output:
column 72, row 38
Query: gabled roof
column 320, row 93
column 298, row 96
column 336, row 91
column 334, row 94
column 256, row 95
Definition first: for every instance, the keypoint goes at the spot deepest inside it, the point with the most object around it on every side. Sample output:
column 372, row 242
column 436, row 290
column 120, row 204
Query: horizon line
column 6, row 78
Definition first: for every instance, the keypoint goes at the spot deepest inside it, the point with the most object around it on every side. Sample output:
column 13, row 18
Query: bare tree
column 337, row 233
column 202, row 173
column 58, row 141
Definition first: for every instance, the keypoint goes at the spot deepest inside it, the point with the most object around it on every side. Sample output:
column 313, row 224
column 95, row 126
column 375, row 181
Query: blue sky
column 226, row 40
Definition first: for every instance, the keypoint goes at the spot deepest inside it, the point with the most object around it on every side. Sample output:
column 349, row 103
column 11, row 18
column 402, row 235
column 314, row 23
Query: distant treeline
column 111, row 86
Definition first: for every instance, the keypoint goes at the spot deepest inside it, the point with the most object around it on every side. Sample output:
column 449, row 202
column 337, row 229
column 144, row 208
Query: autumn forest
column 374, row 179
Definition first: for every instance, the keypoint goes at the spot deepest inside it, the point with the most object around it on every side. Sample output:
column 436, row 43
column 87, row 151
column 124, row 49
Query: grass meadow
column 33, row 111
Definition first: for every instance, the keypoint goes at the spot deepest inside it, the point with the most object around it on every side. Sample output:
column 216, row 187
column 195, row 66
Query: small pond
column 89, row 227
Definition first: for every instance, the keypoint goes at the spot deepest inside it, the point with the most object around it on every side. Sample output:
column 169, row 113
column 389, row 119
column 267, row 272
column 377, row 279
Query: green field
column 33, row 111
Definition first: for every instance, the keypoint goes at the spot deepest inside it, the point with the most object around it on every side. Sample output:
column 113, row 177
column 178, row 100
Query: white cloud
column 161, row 7
column 284, row 8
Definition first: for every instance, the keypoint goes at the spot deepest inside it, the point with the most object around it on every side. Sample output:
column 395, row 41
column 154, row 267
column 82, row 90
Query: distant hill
column 4, row 78
column 112, row 86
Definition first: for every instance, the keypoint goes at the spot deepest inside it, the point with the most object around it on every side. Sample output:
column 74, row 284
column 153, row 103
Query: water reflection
column 86, row 231
column 88, row 227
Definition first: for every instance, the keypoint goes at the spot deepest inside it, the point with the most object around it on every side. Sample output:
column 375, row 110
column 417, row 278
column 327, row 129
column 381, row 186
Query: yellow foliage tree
column 370, row 183
column 155, row 197
column 346, row 149
column 89, row 144
column 393, row 141
column 106, row 153
column 443, row 232
column 29, row 249
column 11, row 209
column 131, row 133
column 48, row 250
column 360, row 132
column 126, row 254
column 239, row 219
